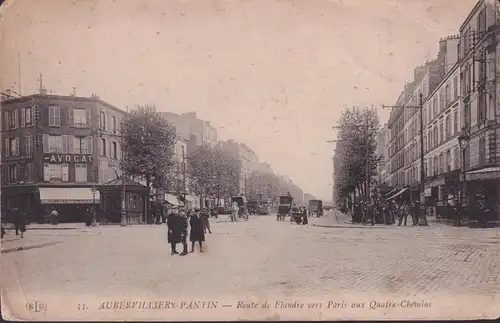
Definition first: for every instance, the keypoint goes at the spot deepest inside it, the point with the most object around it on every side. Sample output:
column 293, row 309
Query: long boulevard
column 91, row 270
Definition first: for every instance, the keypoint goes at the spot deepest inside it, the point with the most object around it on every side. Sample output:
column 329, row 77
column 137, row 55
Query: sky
column 272, row 74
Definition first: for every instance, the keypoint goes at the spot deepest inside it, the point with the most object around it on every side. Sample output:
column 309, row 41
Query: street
column 251, row 262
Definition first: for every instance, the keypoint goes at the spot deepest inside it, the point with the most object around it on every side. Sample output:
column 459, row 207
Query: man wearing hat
column 174, row 225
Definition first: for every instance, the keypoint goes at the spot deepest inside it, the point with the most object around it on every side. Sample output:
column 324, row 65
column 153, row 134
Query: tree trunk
column 148, row 202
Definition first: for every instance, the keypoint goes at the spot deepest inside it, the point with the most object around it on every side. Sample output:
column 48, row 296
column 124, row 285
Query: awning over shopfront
column 172, row 199
column 68, row 195
column 397, row 194
column 392, row 191
column 483, row 174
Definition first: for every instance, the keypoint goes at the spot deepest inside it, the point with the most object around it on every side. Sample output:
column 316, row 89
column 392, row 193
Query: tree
column 148, row 146
column 228, row 173
column 201, row 169
column 355, row 160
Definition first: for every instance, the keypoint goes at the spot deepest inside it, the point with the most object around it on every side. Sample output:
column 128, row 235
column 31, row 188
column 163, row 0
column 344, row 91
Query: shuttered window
column 54, row 117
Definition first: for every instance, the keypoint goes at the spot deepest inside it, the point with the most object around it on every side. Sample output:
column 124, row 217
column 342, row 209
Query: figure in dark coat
column 19, row 221
column 174, row 225
column 184, row 231
column 197, row 233
column 304, row 216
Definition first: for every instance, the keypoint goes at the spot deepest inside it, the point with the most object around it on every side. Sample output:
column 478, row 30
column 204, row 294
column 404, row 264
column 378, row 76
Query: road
column 455, row 271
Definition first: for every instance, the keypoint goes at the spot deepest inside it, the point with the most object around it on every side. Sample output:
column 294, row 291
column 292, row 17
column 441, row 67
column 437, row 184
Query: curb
column 22, row 248
column 350, row 226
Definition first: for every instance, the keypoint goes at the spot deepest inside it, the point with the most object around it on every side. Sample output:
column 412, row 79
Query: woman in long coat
column 174, row 225
column 197, row 233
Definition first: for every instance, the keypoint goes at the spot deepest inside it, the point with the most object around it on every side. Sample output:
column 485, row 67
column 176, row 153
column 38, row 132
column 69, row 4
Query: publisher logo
column 36, row 306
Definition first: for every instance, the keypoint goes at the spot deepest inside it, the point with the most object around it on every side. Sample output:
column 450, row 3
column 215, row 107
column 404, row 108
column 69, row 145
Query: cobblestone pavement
column 257, row 260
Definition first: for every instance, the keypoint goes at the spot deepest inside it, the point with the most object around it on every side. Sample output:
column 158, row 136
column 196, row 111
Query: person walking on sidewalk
column 174, row 229
column 19, row 221
column 206, row 221
column 403, row 213
column 184, row 231
column 304, row 215
column 197, row 233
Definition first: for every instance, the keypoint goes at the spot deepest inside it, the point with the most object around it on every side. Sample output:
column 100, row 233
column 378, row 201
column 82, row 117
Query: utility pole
column 422, row 220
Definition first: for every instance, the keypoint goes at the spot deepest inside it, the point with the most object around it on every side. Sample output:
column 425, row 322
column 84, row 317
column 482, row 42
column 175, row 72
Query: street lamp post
column 463, row 141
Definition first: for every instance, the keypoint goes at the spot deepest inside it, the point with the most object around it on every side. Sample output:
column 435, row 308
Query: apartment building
column 442, row 113
column 188, row 126
column 249, row 161
column 55, row 149
column 479, row 55
column 382, row 152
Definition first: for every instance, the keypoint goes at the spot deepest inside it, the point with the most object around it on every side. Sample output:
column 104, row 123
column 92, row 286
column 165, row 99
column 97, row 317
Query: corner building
column 55, row 150
column 479, row 70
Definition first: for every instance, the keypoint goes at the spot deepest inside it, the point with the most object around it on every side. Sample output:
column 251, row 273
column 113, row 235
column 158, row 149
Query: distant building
column 249, row 160
column 188, row 126
column 54, row 150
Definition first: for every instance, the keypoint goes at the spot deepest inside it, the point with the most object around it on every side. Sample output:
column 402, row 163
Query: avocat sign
column 69, row 159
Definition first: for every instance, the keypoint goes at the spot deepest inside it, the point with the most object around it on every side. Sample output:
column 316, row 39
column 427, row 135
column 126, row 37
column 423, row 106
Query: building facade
column 187, row 126
column 55, row 149
column 479, row 58
column 442, row 113
column 249, row 161
column 382, row 153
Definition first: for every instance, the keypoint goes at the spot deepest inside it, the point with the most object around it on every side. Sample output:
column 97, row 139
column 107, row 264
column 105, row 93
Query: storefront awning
column 483, row 174
column 68, row 195
column 397, row 194
column 171, row 199
column 391, row 191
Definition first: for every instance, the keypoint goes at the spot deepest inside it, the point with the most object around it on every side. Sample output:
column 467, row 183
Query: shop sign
column 68, row 158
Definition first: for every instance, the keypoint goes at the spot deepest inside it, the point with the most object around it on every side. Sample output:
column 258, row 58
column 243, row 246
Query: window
column 13, row 172
column 25, row 117
column 28, row 175
column 440, row 163
column 441, row 132
column 114, row 124
column 81, row 173
column 434, row 107
column 441, row 100
column 455, row 122
column 115, row 150
column 481, row 22
column 28, row 145
column 430, row 171
column 13, row 146
column 448, row 161
column 455, row 88
column 466, row 114
column 481, row 110
column 457, row 158
column 54, row 117
column 55, row 172
column 103, row 147
column 102, row 120
column 482, row 151
column 436, row 137
column 13, row 120
column 436, row 165
column 52, row 144
column 80, row 145
column 78, row 118
column 447, row 94
column 448, row 126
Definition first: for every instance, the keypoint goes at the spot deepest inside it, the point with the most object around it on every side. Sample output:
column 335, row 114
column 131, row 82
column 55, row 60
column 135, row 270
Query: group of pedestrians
column 178, row 222
column 385, row 212
column 19, row 219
